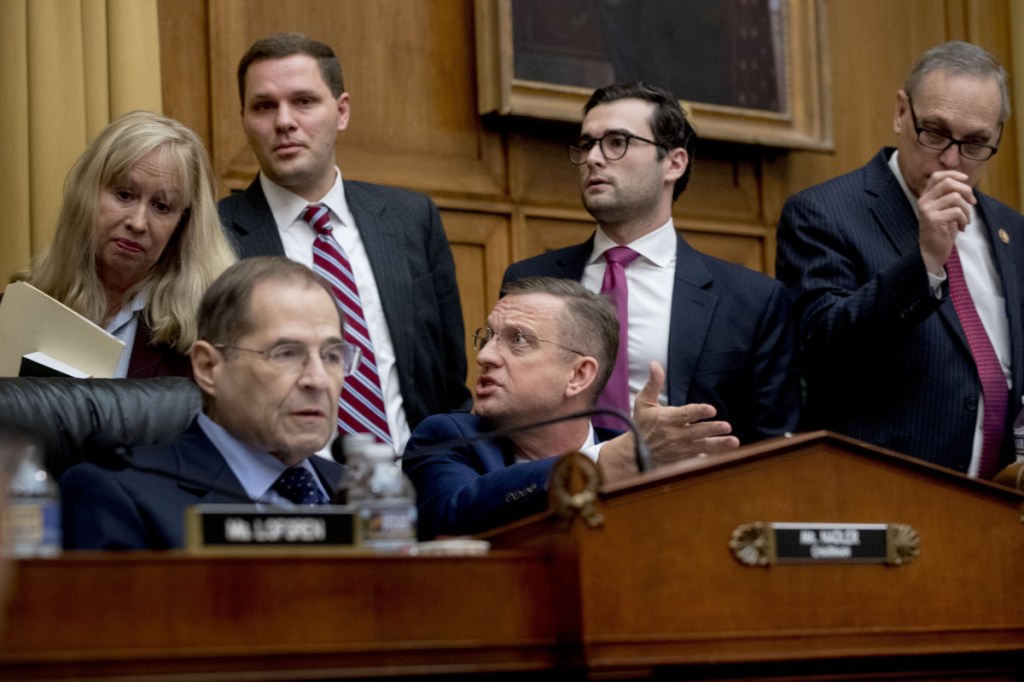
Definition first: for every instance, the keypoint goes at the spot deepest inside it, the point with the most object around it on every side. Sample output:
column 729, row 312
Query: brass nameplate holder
column 766, row 544
column 250, row 527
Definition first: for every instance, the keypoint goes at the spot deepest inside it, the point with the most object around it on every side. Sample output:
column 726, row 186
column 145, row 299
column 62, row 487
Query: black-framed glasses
column 614, row 146
column 933, row 139
column 514, row 339
column 338, row 359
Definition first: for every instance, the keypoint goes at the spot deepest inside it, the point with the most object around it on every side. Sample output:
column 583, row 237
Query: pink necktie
column 361, row 408
column 990, row 372
column 616, row 393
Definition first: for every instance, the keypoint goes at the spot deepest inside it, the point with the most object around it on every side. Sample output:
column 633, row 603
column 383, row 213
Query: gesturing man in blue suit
column 723, row 331
column 402, row 273
column 270, row 361
column 546, row 352
column 908, row 282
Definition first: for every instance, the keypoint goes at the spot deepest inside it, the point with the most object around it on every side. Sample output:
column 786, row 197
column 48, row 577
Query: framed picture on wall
column 751, row 71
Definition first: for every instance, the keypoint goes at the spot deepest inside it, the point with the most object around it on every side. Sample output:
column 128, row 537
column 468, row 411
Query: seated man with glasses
column 723, row 332
column 908, row 283
column 270, row 362
column 547, row 351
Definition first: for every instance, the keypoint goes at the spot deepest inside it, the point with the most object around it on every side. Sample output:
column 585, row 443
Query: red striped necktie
column 990, row 372
column 361, row 408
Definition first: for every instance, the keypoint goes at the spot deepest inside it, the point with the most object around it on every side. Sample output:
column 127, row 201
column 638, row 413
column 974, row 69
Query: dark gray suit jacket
column 730, row 338
column 415, row 273
column 883, row 359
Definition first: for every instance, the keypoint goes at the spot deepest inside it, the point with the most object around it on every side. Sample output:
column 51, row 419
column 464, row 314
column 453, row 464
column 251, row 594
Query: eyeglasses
column 933, row 139
column 614, row 146
column 339, row 359
column 514, row 339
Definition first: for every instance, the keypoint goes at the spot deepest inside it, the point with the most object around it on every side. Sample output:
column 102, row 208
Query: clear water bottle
column 385, row 502
column 353, row 450
column 32, row 524
column 1018, row 434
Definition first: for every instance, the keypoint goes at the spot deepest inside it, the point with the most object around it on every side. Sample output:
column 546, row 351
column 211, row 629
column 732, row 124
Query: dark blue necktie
column 297, row 484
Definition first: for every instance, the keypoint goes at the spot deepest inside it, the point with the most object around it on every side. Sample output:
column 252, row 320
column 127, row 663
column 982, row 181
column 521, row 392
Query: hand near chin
column 944, row 207
column 671, row 433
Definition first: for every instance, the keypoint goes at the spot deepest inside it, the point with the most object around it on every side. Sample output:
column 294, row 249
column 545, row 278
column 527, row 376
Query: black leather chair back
column 66, row 413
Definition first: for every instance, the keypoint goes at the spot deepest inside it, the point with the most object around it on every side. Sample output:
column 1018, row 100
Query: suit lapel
column 693, row 308
column 571, row 261
column 204, row 471
column 252, row 224
column 893, row 214
column 1010, row 273
column 384, row 250
column 896, row 219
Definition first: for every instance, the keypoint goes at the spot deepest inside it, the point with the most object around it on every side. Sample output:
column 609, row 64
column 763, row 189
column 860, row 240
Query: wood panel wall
column 505, row 186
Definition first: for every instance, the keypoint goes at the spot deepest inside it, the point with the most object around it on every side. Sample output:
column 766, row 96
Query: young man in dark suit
column 723, row 332
column 398, row 262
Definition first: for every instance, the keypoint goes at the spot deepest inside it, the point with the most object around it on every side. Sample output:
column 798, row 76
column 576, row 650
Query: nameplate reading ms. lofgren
column 220, row 527
column 764, row 544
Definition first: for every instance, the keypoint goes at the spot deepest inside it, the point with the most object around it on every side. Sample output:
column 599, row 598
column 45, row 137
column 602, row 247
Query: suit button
column 972, row 404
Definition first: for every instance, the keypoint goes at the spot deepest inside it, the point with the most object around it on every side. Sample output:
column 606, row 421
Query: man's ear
column 584, row 374
column 344, row 111
column 902, row 106
column 678, row 161
column 206, row 361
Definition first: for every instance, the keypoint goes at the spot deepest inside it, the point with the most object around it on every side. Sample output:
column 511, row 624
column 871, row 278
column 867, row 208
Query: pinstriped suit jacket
column 415, row 273
column 883, row 360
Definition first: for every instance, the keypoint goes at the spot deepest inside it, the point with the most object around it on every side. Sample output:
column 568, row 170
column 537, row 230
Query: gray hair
column 961, row 59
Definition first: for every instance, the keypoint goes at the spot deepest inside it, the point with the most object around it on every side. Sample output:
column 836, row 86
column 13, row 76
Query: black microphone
column 109, row 453
column 643, row 453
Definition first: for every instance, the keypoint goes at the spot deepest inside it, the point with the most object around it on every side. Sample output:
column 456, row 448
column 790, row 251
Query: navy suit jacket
column 415, row 274
column 883, row 359
column 467, row 489
column 131, row 509
column 731, row 338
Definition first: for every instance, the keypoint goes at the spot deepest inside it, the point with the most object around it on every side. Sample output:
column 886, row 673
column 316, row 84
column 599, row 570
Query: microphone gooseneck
column 642, row 452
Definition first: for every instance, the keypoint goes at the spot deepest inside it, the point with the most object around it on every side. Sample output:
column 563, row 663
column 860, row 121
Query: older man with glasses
column 909, row 283
column 270, row 362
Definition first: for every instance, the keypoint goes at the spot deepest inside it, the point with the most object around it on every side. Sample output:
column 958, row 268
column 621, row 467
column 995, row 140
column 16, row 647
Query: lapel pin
column 1003, row 236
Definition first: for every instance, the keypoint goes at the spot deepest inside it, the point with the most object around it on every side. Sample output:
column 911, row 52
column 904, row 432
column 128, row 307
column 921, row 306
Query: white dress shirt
column 650, row 279
column 125, row 325
column 986, row 288
column 298, row 237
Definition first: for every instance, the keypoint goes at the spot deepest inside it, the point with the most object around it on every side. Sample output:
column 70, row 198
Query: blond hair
column 195, row 255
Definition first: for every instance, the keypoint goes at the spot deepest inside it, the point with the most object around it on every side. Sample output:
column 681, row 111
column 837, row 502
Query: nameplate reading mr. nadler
column 223, row 526
column 762, row 544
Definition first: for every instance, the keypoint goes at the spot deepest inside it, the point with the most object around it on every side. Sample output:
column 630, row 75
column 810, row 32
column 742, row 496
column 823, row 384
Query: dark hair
column 590, row 325
column 961, row 59
column 668, row 121
column 281, row 45
column 225, row 311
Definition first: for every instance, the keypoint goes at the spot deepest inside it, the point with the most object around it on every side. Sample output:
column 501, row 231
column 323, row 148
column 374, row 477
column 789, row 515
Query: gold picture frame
column 801, row 118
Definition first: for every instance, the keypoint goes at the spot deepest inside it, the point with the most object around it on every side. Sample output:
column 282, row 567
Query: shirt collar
column 255, row 469
column 287, row 206
column 658, row 247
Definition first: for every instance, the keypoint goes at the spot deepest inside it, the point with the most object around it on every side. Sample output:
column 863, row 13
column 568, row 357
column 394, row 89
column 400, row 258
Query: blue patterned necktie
column 297, row 484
